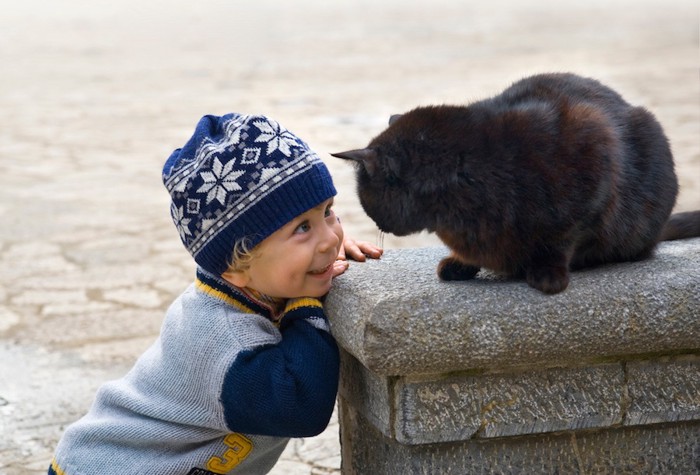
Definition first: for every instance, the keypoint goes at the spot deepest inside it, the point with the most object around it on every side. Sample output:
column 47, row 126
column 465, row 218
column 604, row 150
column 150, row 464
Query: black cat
column 558, row 172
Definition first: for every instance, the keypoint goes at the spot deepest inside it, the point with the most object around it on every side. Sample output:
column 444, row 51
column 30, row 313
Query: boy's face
column 297, row 259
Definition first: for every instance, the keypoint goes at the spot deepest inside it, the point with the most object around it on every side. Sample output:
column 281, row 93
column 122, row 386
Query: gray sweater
column 221, row 390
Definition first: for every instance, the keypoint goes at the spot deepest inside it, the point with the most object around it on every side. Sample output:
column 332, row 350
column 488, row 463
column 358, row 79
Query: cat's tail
column 681, row 226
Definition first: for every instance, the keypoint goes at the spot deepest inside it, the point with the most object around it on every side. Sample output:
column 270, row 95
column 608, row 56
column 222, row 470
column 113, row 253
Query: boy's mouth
column 321, row 271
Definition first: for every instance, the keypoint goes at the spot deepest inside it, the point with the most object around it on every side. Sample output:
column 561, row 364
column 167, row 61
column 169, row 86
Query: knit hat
column 240, row 176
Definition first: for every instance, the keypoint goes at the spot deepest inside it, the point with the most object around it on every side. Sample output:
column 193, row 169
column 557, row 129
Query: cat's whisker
column 380, row 238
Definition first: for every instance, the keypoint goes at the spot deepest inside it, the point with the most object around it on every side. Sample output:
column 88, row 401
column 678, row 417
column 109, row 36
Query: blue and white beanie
column 240, row 176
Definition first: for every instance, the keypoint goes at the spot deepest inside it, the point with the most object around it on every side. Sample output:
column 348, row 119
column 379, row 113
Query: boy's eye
column 302, row 228
column 329, row 211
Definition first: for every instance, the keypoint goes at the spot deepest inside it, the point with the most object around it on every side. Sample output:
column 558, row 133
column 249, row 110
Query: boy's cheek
column 339, row 232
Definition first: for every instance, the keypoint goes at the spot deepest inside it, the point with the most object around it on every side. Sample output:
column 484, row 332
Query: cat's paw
column 550, row 280
column 452, row 269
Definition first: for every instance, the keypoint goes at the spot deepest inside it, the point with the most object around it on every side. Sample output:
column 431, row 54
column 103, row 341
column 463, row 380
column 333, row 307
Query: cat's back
column 560, row 89
column 608, row 162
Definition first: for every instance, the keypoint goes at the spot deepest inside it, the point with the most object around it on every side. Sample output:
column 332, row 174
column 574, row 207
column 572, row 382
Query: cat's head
column 399, row 175
column 383, row 193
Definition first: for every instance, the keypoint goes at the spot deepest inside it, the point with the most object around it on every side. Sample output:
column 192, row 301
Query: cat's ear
column 366, row 156
column 393, row 118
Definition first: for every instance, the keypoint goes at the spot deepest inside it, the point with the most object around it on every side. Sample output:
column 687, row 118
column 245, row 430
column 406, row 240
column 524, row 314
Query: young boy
column 245, row 359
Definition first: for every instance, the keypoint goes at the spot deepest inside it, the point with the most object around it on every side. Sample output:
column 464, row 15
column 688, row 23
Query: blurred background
column 94, row 96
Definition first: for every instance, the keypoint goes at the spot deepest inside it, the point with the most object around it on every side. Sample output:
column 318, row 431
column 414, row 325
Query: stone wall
column 491, row 375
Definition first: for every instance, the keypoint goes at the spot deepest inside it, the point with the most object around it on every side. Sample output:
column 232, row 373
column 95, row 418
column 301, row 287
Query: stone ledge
column 664, row 448
column 455, row 407
column 397, row 318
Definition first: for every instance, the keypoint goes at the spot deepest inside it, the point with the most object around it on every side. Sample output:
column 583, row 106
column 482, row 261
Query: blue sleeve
column 287, row 389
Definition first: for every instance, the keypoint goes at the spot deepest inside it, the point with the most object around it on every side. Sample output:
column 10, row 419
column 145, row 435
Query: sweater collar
column 241, row 299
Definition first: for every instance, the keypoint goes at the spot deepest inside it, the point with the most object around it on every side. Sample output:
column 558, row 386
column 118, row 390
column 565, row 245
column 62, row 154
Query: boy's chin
column 319, row 293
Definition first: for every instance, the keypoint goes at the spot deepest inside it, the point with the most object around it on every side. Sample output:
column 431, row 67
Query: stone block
column 663, row 390
column 492, row 376
column 397, row 318
column 496, row 405
column 459, row 406
column 664, row 449
column 368, row 391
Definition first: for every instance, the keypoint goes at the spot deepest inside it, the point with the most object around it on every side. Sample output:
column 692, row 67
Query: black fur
column 556, row 173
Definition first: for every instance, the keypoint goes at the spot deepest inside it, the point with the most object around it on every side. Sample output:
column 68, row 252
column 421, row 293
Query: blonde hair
column 241, row 256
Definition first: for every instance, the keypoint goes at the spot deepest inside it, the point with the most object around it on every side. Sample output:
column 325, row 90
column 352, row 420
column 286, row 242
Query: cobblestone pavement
column 95, row 95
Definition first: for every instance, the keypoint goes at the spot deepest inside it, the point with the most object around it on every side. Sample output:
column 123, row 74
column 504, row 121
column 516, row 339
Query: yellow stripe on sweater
column 209, row 290
column 303, row 302
column 56, row 468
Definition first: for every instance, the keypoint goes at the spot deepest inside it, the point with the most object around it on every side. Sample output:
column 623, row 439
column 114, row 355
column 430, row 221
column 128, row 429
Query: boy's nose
column 329, row 240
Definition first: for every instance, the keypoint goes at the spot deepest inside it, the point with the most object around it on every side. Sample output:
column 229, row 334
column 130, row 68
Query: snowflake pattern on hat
column 276, row 137
column 218, row 181
column 235, row 177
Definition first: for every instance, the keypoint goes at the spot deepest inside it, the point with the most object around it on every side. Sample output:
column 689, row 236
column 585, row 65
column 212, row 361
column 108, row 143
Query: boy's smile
column 297, row 259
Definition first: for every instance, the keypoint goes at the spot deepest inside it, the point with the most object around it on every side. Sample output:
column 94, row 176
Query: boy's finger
column 371, row 250
column 355, row 251
column 340, row 266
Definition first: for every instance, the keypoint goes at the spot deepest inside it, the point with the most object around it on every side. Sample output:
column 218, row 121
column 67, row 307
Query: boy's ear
column 238, row 278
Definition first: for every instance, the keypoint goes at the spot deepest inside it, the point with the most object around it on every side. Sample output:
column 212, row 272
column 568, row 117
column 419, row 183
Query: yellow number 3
column 239, row 448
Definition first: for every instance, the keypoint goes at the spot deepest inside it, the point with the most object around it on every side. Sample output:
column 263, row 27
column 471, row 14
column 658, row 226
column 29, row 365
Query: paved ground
column 95, row 95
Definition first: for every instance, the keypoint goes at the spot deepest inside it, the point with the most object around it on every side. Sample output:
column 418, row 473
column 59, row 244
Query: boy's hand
column 359, row 250
column 356, row 250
